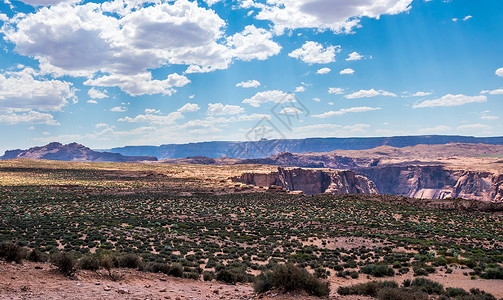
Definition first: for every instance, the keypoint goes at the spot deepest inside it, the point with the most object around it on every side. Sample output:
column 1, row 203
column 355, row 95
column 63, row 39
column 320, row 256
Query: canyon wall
column 312, row 181
column 436, row 182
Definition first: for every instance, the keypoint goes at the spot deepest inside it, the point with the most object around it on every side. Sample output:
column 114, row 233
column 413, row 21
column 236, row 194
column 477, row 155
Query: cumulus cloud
column 343, row 111
column 300, row 89
column 252, row 43
column 354, row 56
column 141, row 84
column 119, row 109
column 154, row 119
column 31, row 117
column 475, row 127
column 314, row 53
column 117, row 43
column 348, row 71
column 369, row 93
column 338, row 16
column 23, row 90
column 334, row 90
column 45, row 2
column 493, row 92
column 248, row 84
column 96, row 94
column 275, row 96
column 421, row 94
column 189, row 107
column 499, row 72
column 323, row 71
column 451, row 100
column 218, row 109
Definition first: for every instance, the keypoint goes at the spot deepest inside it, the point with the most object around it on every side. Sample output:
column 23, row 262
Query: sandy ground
column 41, row 281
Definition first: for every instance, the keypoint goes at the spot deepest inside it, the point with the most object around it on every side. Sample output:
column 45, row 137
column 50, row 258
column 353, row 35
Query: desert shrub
column 493, row 273
column 191, row 275
column 158, row 268
column 480, row 295
column 420, row 271
column 378, row 270
column 36, row 256
column 11, row 252
column 362, row 289
column 321, row 273
column 176, row 270
column 290, row 278
column 427, row 286
column 400, row 294
column 91, row 263
column 455, row 292
column 65, row 262
column 208, row 276
column 107, row 262
column 131, row 261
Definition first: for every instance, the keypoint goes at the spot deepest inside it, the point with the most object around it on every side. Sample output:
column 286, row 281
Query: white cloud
column 189, row 107
column 152, row 111
column 141, row 84
column 499, row 72
column 252, row 43
column 31, row 117
column 334, row 90
column 354, row 56
column 290, row 111
column 451, row 100
column 343, row 111
column 368, row 94
column 314, row 53
column 300, row 89
column 316, row 99
column 21, row 90
column 119, row 109
column 3, row 17
column 347, row 71
column 467, row 18
column 493, row 92
column 218, row 109
column 211, row 2
column 248, row 84
column 92, row 101
column 434, row 130
column 96, row 94
column 45, row 2
column 118, row 43
column 475, row 127
column 489, row 118
column 154, row 119
column 323, row 71
column 338, row 16
column 421, row 94
column 268, row 96
column 454, row 19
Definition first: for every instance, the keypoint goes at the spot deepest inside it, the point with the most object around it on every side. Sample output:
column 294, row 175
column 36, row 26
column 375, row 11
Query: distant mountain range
column 71, row 152
column 266, row 148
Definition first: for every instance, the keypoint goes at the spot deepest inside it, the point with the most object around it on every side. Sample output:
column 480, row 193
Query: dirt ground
column 42, row 281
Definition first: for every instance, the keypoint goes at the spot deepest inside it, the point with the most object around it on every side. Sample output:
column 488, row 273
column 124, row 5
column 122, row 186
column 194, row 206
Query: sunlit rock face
column 312, row 181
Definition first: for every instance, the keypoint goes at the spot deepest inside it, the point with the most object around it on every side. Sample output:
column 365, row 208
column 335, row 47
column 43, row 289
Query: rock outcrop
column 312, row 181
column 71, row 152
column 436, row 182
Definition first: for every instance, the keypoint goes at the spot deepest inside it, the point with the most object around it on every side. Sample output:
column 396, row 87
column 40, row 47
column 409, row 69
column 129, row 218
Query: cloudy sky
column 137, row 72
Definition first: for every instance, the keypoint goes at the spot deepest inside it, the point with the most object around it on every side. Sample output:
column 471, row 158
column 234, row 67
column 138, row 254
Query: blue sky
column 136, row 72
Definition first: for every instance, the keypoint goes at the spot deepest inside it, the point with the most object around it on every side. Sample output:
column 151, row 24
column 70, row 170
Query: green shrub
column 11, row 252
column 91, row 263
column 36, row 256
column 131, row 261
column 362, row 289
column 455, row 292
column 378, row 270
column 107, row 262
column 427, row 286
column 400, row 294
column 65, row 262
column 208, row 276
column 291, row 278
column 176, row 270
column 158, row 268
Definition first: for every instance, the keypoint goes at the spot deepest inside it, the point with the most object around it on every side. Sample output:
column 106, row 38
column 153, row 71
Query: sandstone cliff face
column 312, row 181
column 436, row 182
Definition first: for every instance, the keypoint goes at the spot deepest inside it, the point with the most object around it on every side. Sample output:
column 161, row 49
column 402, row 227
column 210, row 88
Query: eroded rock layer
column 312, row 181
